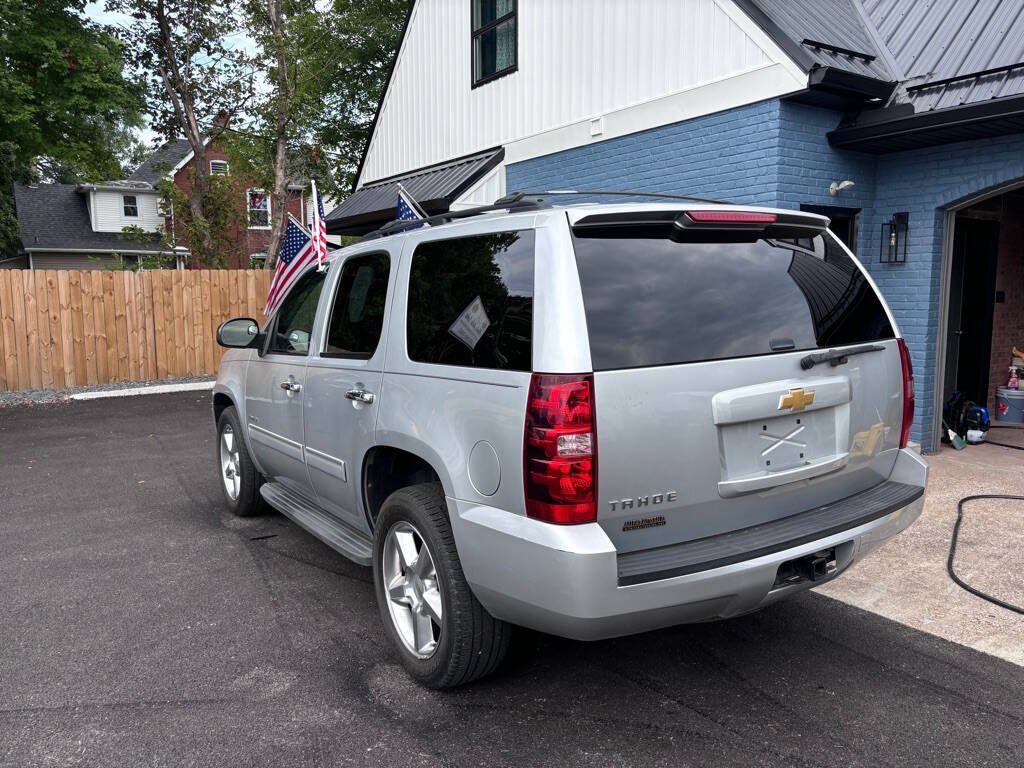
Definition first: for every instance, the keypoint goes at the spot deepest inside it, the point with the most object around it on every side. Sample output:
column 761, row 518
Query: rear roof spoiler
column 752, row 222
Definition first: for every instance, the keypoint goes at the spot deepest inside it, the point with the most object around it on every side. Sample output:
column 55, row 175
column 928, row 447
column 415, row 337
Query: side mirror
column 239, row 333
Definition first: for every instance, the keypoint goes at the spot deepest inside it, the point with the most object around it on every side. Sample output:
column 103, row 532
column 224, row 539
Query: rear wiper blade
column 837, row 356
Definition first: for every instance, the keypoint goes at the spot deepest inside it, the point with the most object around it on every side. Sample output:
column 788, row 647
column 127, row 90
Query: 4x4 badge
column 796, row 399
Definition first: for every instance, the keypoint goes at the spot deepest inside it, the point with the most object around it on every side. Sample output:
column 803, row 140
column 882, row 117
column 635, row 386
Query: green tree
column 64, row 93
column 11, row 172
column 345, row 77
column 278, row 26
column 327, row 70
column 199, row 78
column 223, row 213
column 66, row 102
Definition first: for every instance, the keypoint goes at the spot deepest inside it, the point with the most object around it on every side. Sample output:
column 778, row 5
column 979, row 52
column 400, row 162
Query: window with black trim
column 131, row 206
column 494, row 39
column 357, row 316
column 293, row 324
column 471, row 301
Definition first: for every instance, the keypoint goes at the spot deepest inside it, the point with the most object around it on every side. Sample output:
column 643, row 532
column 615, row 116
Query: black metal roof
column 958, row 66
column 952, row 43
column 821, row 33
column 56, row 216
column 434, row 188
column 162, row 161
column 931, row 42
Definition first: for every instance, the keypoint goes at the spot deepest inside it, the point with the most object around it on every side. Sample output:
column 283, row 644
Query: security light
column 838, row 186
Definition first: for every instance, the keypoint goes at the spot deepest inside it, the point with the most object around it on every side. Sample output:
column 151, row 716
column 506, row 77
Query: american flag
column 407, row 210
column 296, row 254
column 319, row 227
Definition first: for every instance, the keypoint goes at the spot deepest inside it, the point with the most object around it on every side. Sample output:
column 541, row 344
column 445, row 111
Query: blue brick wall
column 926, row 182
column 807, row 164
column 729, row 154
column 776, row 153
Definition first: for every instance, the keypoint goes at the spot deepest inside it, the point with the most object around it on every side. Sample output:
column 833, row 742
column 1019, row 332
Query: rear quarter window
column 471, row 301
column 651, row 300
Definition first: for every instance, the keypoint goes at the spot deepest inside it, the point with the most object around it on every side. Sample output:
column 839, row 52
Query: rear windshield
column 651, row 300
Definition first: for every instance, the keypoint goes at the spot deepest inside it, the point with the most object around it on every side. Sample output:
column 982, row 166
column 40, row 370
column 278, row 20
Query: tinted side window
column 471, row 302
column 653, row 300
column 294, row 323
column 358, row 312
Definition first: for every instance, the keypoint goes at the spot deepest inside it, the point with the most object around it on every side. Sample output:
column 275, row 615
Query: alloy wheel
column 230, row 465
column 412, row 589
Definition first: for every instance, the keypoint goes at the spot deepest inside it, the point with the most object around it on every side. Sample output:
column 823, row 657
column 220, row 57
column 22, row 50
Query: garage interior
column 986, row 298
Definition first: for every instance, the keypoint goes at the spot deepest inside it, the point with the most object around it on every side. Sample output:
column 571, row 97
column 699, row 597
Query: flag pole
column 411, row 199
column 316, row 227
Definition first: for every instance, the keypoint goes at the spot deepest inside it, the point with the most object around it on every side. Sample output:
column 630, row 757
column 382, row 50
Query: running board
column 334, row 533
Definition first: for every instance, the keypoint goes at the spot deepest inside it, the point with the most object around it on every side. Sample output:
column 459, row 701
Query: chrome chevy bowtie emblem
column 796, row 399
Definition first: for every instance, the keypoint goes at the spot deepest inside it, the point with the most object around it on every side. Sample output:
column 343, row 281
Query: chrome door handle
column 291, row 386
column 360, row 396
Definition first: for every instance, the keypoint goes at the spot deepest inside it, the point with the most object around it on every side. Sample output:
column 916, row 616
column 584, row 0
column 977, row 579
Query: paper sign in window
column 471, row 325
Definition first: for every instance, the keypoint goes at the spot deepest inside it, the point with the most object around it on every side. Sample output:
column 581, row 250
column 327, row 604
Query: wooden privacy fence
column 71, row 328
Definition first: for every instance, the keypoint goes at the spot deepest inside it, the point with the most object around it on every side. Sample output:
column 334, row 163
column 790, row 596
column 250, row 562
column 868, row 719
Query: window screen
column 652, row 300
column 358, row 312
column 471, row 302
column 294, row 322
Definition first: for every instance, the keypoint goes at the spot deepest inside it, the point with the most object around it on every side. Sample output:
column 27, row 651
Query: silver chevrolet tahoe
column 591, row 420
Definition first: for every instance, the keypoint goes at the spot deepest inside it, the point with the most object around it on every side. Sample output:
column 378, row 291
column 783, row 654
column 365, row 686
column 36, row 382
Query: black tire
column 471, row 643
column 249, row 502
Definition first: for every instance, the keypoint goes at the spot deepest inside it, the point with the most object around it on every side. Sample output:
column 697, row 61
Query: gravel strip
column 30, row 397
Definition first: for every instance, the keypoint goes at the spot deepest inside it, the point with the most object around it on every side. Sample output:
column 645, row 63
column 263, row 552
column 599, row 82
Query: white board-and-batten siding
column 628, row 64
column 106, row 210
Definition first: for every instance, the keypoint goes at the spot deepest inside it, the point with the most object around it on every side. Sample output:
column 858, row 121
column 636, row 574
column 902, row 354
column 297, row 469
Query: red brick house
column 251, row 233
column 81, row 226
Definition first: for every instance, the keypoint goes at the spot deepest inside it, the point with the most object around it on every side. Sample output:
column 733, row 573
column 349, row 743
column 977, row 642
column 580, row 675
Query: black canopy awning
column 898, row 127
column 434, row 188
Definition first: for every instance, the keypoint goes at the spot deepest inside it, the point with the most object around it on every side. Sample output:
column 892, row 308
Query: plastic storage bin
column 1010, row 405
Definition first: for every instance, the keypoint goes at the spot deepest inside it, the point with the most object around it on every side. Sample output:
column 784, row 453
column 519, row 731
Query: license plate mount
column 791, row 441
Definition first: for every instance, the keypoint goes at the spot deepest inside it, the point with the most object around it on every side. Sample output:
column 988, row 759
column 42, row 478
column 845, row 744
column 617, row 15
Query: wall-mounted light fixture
column 894, row 238
column 838, row 186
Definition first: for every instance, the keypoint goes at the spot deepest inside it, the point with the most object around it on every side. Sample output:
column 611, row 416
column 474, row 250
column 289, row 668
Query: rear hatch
column 716, row 408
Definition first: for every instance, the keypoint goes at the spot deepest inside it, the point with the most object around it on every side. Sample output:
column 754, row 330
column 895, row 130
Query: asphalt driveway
column 141, row 625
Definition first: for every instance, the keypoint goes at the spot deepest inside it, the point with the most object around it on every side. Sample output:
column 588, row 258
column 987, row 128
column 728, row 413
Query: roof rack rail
column 620, row 193
column 524, row 201
column 515, row 201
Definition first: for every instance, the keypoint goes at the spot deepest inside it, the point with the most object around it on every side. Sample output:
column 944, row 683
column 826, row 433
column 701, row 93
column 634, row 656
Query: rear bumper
column 567, row 580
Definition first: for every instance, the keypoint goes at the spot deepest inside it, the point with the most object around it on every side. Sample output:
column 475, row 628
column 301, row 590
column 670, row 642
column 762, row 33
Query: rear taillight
column 560, row 449
column 908, row 393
